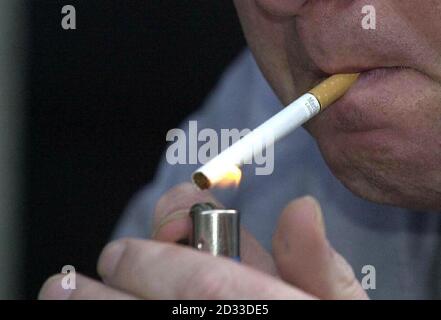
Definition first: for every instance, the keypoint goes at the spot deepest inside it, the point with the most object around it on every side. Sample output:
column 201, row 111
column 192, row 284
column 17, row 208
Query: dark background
column 101, row 99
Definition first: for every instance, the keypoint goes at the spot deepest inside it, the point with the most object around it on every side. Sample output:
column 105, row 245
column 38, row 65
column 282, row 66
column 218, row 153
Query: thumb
column 305, row 258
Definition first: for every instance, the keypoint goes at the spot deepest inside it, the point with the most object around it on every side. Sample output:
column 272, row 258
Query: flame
column 217, row 175
column 231, row 178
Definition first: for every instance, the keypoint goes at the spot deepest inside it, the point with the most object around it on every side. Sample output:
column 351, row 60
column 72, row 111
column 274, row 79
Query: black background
column 101, row 99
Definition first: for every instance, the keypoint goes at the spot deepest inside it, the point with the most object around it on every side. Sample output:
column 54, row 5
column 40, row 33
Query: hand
column 303, row 264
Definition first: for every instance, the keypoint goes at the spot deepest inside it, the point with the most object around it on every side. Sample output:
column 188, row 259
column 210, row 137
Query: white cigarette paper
column 275, row 128
column 227, row 163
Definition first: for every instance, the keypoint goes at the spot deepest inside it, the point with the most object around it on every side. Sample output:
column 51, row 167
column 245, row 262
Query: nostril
column 281, row 8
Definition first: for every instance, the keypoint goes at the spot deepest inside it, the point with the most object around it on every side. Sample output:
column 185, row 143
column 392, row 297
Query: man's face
column 383, row 139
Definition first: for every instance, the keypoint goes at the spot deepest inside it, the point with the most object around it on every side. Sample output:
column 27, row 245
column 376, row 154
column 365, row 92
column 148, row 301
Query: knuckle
column 161, row 205
column 209, row 283
column 115, row 255
column 167, row 200
column 349, row 287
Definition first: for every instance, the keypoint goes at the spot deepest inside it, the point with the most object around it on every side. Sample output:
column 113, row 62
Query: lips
column 352, row 112
column 379, row 73
column 364, row 105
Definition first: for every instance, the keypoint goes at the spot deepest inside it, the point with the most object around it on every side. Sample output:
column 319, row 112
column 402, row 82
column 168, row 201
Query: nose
column 282, row 8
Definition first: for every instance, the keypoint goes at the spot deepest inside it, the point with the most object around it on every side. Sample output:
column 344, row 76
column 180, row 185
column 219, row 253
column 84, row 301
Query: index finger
column 171, row 221
column 156, row 270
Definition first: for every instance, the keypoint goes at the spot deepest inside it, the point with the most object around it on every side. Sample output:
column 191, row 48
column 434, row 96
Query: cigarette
column 225, row 166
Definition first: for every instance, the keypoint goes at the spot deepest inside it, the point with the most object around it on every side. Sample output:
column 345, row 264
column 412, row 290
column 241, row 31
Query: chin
column 382, row 167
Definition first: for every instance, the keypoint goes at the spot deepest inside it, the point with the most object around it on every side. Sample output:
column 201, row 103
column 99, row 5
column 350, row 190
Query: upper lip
column 361, row 70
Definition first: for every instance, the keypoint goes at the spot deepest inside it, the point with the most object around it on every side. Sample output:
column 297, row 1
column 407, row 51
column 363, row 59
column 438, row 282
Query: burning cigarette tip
column 223, row 177
column 201, row 180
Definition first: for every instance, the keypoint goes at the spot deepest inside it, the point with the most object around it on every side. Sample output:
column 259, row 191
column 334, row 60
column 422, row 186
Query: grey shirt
column 403, row 246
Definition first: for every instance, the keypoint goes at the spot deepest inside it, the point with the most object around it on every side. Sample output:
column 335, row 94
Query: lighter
column 216, row 230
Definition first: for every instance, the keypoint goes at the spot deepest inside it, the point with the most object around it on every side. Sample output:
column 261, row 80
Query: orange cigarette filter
column 333, row 88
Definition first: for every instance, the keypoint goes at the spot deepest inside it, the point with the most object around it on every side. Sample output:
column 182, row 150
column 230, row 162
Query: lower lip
column 350, row 112
column 380, row 74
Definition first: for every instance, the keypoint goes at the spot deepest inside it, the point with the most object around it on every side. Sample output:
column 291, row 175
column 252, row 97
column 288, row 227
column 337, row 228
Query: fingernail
column 110, row 258
column 177, row 215
column 318, row 213
column 53, row 290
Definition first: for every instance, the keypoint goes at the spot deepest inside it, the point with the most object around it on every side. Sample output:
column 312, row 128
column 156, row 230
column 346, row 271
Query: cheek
column 281, row 8
column 265, row 36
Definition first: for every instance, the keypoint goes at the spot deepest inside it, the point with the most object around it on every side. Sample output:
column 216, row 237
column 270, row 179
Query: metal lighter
column 216, row 230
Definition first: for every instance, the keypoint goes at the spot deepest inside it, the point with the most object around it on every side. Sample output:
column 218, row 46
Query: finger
column 171, row 220
column 254, row 255
column 173, row 224
column 305, row 258
column 86, row 289
column 159, row 270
